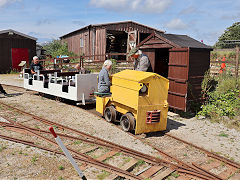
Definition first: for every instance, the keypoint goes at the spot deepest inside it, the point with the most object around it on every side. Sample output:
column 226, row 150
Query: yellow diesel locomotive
column 138, row 100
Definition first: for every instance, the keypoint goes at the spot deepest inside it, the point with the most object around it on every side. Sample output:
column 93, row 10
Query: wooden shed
column 15, row 47
column 100, row 39
column 181, row 59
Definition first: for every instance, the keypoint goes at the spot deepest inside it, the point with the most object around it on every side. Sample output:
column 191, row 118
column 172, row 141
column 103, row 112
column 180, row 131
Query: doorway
column 116, row 43
column 18, row 55
column 161, row 61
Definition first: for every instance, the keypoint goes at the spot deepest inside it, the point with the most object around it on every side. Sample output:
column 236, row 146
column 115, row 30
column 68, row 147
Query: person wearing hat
column 141, row 61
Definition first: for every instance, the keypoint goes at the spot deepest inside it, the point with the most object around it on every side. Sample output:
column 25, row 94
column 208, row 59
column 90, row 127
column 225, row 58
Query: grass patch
column 140, row 162
column 103, row 175
column 77, row 142
column 2, row 148
column 118, row 154
column 175, row 174
column 61, row 167
column 222, row 134
column 34, row 159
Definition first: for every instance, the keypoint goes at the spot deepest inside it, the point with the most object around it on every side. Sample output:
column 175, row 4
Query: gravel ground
column 211, row 136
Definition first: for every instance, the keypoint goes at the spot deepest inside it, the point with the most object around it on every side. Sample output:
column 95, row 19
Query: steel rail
column 91, row 160
column 16, row 140
column 10, row 125
column 182, row 165
column 18, row 125
column 61, row 153
column 194, row 174
column 187, row 167
column 113, row 145
column 212, row 174
column 210, row 154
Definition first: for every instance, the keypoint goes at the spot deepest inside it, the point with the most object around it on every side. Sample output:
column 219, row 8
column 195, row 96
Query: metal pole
column 237, row 61
column 67, row 153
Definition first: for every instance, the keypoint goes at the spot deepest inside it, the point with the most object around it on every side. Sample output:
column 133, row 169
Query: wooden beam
column 237, row 61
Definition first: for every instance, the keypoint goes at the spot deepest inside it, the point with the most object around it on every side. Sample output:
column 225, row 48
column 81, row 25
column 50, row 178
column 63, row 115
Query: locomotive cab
column 138, row 100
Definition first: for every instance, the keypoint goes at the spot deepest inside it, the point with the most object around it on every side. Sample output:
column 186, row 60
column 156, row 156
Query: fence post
column 237, row 61
column 82, row 57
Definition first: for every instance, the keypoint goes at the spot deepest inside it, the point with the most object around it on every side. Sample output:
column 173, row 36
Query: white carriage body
column 79, row 87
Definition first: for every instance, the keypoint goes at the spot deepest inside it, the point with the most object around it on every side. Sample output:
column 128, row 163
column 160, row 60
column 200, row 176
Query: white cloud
column 4, row 3
column 177, row 24
column 156, row 5
column 143, row 6
column 188, row 10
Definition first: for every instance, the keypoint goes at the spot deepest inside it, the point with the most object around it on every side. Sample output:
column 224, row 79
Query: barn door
column 18, row 55
column 178, row 77
column 132, row 40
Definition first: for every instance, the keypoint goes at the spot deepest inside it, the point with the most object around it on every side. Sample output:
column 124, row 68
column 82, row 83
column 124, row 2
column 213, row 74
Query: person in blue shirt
column 103, row 77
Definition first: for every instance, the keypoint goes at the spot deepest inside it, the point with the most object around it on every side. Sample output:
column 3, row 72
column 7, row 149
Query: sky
column 49, row 19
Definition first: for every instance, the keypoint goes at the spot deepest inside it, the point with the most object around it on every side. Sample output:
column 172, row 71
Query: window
column 81, row 42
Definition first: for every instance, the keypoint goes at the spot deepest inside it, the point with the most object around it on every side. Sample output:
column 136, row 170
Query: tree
column 231, row 33
column 56, row 48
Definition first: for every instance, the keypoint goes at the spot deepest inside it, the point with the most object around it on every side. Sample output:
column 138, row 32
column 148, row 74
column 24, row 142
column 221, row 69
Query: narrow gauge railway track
column 194, row 167
column 157, row 168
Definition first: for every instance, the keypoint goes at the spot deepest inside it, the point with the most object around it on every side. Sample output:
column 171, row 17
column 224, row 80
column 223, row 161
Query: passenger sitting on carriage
column 35, row 66
column 103, row 77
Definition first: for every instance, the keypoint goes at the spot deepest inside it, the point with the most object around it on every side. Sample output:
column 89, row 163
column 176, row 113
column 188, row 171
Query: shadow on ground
column 11, row 95
column 171, row 124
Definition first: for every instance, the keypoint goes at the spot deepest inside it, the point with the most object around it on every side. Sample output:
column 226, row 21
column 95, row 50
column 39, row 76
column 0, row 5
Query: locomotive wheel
column 127, row 122
column 110, row 114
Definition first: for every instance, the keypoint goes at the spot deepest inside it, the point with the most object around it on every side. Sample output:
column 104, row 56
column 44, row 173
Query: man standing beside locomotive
column 141, row 61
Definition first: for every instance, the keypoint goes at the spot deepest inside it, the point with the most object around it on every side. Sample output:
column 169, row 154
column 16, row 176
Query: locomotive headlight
column 143, row 89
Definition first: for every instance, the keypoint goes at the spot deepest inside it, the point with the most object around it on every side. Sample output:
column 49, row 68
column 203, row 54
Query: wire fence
column 225, row 60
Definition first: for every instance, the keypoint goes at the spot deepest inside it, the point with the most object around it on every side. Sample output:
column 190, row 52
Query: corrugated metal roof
column 106, row 24
column 16, row 32
column 185, row 41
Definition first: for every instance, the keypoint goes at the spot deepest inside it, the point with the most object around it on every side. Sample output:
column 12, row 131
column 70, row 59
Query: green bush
column 224, row 97
column 222, row 104
column 56, row 48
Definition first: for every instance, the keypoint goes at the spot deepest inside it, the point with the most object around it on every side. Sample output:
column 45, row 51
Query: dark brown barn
column 100, row 39
column 181, row 59
column 14, row 48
